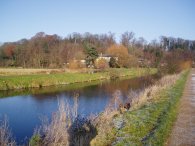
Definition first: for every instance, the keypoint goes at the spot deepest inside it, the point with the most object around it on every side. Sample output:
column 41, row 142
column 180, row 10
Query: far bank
column 14, row 81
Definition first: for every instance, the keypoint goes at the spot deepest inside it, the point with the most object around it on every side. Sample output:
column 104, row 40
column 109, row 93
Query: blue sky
column 147, row 18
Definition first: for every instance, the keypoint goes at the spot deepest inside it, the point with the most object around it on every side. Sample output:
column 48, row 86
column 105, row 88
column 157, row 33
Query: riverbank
column 42, row 80
column 150, row 119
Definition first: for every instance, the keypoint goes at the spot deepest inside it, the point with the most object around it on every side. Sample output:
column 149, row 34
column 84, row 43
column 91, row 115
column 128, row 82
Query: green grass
column 152, row 123
column 41, row 80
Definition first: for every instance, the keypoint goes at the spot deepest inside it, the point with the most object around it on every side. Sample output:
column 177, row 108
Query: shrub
column 113, row 63
column 175, row 61
column 169, row 64
column 101, row 63
column 121, row 52
column 132, row 61
column 73, row 64
column 185, row 65
column 35, row 140
column 66, row 128
column 56, row 132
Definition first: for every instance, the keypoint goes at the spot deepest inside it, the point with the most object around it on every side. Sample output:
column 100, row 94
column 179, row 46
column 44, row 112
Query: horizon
column 22, row 19
column 116, row 38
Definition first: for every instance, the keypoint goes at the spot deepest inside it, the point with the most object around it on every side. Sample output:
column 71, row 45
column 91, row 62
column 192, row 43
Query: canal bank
column 150, row 118
column 44, row 80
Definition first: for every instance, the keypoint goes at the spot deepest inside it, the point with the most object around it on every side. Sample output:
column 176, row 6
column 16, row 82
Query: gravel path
column 183, row 133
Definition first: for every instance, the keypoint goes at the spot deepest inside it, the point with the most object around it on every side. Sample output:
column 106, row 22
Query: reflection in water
column 24, row 108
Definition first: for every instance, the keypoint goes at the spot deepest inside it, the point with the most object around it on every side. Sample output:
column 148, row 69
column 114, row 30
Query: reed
column 5, row 134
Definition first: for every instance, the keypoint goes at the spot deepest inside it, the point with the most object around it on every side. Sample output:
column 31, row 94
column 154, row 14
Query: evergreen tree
column 91, row 55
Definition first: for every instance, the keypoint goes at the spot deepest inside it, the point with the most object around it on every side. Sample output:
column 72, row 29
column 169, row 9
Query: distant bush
column 113, row 63
column 174, row 62
column 101, row 64
column 185, row 65
column 132, row 61
column 121, row 52
column 52, row 65
column 75, row 64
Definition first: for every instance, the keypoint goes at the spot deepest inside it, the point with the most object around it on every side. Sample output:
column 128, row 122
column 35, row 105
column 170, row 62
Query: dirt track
column 183, row 133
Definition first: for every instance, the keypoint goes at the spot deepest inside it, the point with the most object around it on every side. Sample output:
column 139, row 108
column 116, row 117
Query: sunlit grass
column 40, row 80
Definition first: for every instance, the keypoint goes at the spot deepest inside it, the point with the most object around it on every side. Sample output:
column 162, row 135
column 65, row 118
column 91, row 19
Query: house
column 107, row 57
column 82, row 61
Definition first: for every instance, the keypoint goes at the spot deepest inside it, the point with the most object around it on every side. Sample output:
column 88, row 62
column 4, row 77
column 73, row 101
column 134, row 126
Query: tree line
column 53, row 51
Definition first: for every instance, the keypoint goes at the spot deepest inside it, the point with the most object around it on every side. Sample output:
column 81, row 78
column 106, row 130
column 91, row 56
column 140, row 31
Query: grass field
column 27, row 71
column 28, row 78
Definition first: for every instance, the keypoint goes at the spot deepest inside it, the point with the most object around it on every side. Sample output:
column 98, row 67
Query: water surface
column 26, row 108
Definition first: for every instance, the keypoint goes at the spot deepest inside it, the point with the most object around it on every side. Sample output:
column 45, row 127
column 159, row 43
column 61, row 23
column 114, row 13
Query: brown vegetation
column 121, row 52
column 56, row 132
column 175, row 61
column 148, row 93
column 51, row 51
column 74, row 64
column 66, row 128
column 5, row 134
column 101, row 64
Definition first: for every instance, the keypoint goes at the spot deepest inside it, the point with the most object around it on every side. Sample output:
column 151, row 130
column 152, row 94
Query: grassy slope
column 40, row 80
column 151, row 124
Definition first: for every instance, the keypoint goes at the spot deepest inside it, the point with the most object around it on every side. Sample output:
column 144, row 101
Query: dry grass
column 27, row 71
column 56, row 132
column 104, row 127
column 104, row 122
column 5, row 134
column 66, row 128
column 151, row 92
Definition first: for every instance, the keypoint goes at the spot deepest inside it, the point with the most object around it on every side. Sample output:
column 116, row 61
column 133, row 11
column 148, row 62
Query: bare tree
column 126, row 39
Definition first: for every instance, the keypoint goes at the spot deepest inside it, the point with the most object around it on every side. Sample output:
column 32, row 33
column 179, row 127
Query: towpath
column 183, row 133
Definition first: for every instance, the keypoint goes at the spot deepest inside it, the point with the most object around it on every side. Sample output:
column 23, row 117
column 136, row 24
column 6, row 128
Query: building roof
column 106, row 55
